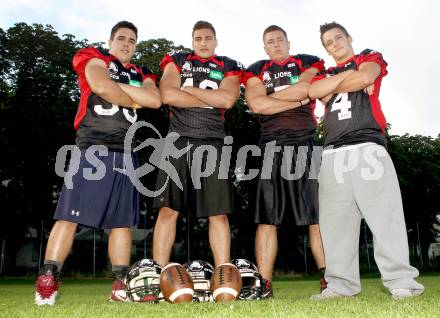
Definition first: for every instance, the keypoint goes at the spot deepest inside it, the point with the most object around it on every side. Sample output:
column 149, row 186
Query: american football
column 226, row 283
column 176, row 284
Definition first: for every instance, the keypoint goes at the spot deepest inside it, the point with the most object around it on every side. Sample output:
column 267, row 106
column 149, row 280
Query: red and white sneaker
column 322, row 280
column 119, row 291
column 46, row 289
column 266, row 289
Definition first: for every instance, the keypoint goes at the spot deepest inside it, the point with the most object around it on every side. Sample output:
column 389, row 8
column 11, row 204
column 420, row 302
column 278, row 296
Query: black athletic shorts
column 206, row 187
column 289, row 192
column 106, row 199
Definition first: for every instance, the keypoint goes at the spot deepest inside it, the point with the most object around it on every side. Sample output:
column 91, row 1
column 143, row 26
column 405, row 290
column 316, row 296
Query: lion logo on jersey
column 113, row 68
column 187, row 66
column 266, row 77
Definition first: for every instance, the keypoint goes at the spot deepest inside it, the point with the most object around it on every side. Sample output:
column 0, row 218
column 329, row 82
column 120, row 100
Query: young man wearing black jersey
column 199, row 87
column 111, row 91
column 357, row 177
column 276, row 90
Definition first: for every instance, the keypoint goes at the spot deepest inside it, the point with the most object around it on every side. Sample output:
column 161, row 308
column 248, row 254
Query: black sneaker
column 266, row 289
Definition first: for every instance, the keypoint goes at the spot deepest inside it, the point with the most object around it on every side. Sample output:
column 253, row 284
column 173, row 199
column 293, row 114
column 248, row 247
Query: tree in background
column 39, row 97
column 417, row 161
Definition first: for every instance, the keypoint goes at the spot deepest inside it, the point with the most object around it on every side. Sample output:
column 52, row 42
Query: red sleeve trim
column 375, row 58
column 245, row 76
column 152, row 76
column 144, row 76
column 166, row 60
column 317, row 77
column 318, row 65
column 233, row 73
column 84, row 55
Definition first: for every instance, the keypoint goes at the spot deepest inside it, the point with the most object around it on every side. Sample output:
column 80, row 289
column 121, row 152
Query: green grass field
column 87, row 298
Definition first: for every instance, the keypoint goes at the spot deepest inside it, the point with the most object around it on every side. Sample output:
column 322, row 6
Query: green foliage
column 39, row 100
column 151, row 52
column 417, row 162
column 319, row 134
column 39, row 97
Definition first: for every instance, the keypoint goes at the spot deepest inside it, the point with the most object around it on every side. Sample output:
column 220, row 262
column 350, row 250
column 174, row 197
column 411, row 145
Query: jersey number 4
column 344, row 105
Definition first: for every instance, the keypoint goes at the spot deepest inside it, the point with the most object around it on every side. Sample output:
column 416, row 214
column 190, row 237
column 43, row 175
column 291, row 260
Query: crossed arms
column 345, row 82
column 292, row 97
column 117, row 93
column 187, row 96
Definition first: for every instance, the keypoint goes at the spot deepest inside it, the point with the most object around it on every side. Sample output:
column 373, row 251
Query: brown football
column 226, row 283
column 176, row 284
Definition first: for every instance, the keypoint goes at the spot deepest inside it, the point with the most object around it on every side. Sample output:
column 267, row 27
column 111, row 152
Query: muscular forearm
column 218, row 98
column 327, row 86
column 294, row 93
column 144, row 96
column 355, row 81
column 179, row 98
column 266, row 105
column 113, row 93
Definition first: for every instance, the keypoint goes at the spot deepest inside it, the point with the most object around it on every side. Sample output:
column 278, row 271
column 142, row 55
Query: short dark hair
column 272, row 28
column 123, row 24
column 332, row 25
column 203, row 25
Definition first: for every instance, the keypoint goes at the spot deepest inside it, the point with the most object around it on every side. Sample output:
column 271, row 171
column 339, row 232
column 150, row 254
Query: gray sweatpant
column 358, row 182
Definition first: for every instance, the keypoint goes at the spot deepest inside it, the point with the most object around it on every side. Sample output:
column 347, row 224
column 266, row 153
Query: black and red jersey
column 97, row 121
column 202, row 73
column 296, row 123
column 356, row 117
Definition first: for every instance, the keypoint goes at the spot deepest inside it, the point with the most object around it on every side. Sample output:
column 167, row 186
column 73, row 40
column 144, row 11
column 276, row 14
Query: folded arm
column 300, row 90
column 97, row 77
column 171, row 92
column 146, row 96
column 361, row 79
column 345, row 82
column 260, row 103
column 223, row 97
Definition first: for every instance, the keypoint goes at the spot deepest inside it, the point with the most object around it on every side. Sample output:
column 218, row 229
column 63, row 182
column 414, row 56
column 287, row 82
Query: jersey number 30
column 344, row 105
column 115, row 108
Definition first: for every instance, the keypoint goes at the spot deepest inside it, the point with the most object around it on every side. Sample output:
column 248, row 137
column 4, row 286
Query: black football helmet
column 201, row 273
column 143, row 281
column 251, row 278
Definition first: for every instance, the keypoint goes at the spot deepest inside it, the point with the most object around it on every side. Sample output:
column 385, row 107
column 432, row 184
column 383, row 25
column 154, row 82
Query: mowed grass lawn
column 87, row 298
